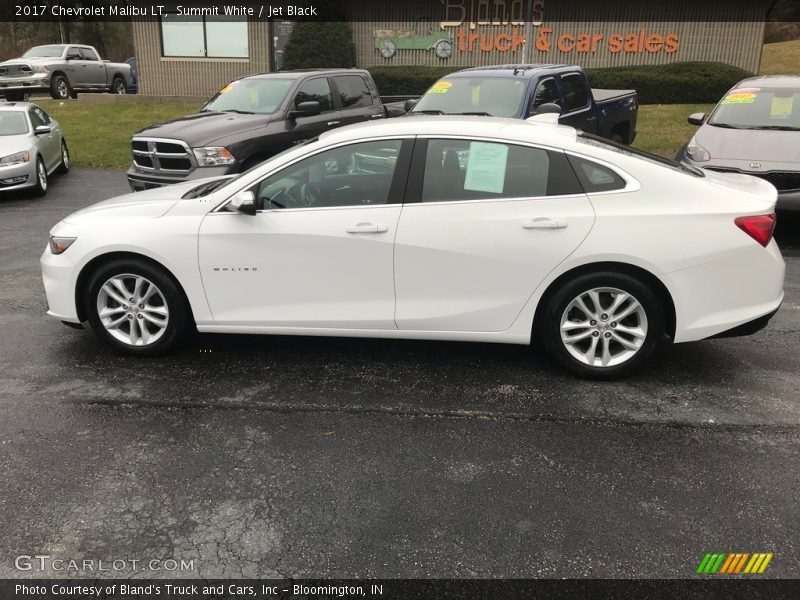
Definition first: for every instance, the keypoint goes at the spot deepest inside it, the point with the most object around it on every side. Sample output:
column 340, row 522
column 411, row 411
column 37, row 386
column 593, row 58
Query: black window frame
column 205, row 40
column 584, row 83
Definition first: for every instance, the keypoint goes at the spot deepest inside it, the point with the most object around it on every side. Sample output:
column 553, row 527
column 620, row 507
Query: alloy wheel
column 132, row 309
column 603, row 327
column 63, row 90
column 41, row 173
column 64, row 156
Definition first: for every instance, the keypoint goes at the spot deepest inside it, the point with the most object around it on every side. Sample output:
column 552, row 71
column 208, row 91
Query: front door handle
column 545, row 223
column 367, row 228
column 332, row 123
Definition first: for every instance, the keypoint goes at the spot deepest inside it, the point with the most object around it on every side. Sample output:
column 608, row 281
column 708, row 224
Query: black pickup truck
column 250, row 120
column 521, row 91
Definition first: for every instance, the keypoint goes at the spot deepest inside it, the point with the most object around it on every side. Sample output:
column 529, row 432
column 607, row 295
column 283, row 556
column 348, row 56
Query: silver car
column 755, row 130
column 32, row 147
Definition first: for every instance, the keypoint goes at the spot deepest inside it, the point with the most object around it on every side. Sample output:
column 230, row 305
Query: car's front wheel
column 40, row 185
column 136, row 307
column 603, row 325
column 64, row 166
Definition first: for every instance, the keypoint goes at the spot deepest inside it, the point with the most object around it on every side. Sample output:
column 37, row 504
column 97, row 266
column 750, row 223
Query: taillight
column 758, row 227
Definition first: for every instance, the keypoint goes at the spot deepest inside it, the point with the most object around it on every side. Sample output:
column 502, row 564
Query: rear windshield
column 13, row 123
column 257, row 96
column 44, row 52
column 759, row 108
column 493, row 96
column 593, row 140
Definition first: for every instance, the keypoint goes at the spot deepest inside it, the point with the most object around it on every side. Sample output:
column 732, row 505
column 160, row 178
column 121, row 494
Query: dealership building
column 180, row 55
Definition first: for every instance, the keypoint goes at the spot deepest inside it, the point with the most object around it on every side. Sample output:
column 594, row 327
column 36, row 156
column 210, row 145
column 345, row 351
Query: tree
column 320, row 45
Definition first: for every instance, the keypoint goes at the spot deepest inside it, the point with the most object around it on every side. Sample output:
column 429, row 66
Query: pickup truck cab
column 62, row 70
column 250, row 120
column 522, row 91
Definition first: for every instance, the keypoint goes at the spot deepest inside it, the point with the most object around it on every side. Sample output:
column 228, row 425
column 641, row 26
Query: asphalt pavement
column 322, row 457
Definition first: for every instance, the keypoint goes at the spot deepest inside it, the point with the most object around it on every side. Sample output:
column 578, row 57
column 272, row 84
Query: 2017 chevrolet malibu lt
column 755, row 129
column 447, row 228
column 32, row 147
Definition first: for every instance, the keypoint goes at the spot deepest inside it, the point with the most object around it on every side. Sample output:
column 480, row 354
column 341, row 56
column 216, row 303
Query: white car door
column 319, row 252
column 482, row 226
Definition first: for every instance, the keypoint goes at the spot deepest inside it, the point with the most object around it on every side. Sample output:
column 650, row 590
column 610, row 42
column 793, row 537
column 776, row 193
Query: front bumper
column 143, row 180
column 60, row 275
column 29, row 84
column 11, row 178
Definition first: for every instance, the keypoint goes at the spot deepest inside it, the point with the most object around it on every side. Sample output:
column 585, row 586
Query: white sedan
column 440, row 228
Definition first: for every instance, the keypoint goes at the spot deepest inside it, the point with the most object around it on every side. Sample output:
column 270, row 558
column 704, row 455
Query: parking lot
column 321, row 457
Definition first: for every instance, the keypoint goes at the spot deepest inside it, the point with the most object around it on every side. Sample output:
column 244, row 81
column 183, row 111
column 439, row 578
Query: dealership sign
column 506, row 25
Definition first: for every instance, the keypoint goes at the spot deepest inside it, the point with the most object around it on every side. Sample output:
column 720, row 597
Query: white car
column 441, row 228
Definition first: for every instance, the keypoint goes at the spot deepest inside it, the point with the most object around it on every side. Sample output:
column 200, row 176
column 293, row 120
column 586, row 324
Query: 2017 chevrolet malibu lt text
column 447, row 228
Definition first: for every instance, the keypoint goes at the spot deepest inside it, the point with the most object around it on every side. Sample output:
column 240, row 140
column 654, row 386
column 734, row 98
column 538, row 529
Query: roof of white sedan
column 507, row 129
column 15, row 105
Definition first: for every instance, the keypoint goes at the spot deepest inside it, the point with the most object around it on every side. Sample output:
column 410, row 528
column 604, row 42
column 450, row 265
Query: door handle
column 377, row 116
column 367, row 228
column 544, row 223
column 332, row 123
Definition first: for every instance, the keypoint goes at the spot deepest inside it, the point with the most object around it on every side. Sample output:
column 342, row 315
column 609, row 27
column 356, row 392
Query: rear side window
column 474, row 170
column 353, row 91
column 594, row 177
column 576, row 96
column 89, row 54
column 315, row 90
column 546, row 93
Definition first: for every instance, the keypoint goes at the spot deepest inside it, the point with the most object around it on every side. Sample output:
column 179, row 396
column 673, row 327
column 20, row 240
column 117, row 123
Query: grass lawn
column 662, row 128
column 781, row 58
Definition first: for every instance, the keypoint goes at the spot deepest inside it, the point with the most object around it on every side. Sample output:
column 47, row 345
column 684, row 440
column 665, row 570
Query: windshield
column 594, row 140
column 261, row 96
column 758, row 108
column 492, row 96
column 44, row 52
column 13, row 123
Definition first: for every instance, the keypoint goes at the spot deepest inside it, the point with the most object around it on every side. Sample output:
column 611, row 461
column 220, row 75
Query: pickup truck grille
column 20, row 70
column 162, row 156
column 784, row 181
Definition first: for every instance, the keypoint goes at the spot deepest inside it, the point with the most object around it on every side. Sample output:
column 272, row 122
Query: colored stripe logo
column 734, row 563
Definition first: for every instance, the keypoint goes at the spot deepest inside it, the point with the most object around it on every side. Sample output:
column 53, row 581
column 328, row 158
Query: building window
column 204, row 37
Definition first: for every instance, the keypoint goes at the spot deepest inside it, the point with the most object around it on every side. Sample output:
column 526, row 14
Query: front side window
column 546, row 93
column 38, row 117
column 474, row 170
column 200, row 37
column 74, row 54
column 353, row 91
column 353, row 175
column 315, row 90
column 576, row 96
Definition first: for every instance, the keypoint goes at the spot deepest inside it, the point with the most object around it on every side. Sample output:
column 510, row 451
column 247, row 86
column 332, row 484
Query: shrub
column 676, row 83
column 320, row 45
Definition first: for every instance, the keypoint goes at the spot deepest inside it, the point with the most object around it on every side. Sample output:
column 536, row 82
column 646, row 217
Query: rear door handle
column 332, row 123
column 545, row 223
column 367, row 228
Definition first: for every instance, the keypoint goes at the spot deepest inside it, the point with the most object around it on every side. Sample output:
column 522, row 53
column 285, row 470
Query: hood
column 764, row 146
column 149, row 204
column 11, row 144
column 204, row 128
column 29, row 61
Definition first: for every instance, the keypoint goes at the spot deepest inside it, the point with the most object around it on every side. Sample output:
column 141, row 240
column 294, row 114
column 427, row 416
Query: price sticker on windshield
column 440, row 87
column 741, row 96
column 228, row 87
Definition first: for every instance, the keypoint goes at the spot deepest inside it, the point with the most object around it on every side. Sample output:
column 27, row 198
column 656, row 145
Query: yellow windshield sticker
column 440, row 87
column 228, row 87
column 486, row 169
column 739, row 97
column 781, row 107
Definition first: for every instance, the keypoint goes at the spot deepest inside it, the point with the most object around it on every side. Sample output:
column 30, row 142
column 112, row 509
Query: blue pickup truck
column 521, row 91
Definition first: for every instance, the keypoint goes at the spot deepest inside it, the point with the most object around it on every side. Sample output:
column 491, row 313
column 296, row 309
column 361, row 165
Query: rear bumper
column 748, row 328
column 140, row 181
column 789, row 201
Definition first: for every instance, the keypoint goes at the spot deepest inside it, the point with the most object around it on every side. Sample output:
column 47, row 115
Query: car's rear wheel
column 603, row 325
column 136, row 307
column 40, row 187
column 118, row 86
column 64, row 166
column 59, row 88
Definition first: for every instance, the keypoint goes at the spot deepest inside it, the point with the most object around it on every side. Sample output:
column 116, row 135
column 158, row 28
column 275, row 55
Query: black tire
column 118, row 86
column 42, row 183
column 64, row 166
column 549, row 324
column 616, row 137
column 178, row 309
column 60, row 88
column 16, row 96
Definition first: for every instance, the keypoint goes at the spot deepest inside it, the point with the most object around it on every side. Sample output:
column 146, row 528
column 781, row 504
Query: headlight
column 212, row 157
column 41, row 69
column 58, row 245
column 15, row 159
column 696, row 152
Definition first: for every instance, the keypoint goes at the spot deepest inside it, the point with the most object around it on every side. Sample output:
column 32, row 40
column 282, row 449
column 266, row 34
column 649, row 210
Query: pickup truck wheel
column 17, row 96
column 615, row 137
column 60, row 88
column 118, row 86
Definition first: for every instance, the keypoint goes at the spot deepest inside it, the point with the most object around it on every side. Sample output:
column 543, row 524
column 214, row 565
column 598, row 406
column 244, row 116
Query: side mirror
column 245, row 203
column 547, row 108
column 42, row 130
column 305, row 109
column 696, row 118
column 409, row 104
